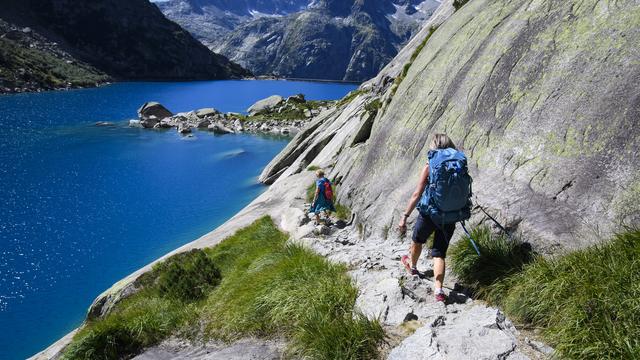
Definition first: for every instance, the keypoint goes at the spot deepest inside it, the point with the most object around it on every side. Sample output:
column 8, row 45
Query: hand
column 402, row 226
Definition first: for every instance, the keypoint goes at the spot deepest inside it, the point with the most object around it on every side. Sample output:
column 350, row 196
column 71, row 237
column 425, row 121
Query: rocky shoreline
column 273, row 115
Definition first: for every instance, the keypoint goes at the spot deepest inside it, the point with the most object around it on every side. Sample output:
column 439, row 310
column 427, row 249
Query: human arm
column 315, row 196
column 415, row 197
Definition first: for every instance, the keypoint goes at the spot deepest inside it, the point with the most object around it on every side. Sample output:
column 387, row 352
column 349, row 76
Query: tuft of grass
column 500, row 257
column 265, row 291
column 313, row 168
column 350, row 96
column 385, row 232
column 164, row 305
column 343, row 212
column 373, row 107
column 311, row 192
column 587, row 302
column 138, row 322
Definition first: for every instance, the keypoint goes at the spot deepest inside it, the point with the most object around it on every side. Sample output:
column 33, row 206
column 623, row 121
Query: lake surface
column 83, row 206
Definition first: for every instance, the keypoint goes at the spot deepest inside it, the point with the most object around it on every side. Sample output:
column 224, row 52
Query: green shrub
column 187, row 276
column 313, row 168
column 500, row 257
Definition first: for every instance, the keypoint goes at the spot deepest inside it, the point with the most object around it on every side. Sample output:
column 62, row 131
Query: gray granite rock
column 265, row 104
column 245, row 349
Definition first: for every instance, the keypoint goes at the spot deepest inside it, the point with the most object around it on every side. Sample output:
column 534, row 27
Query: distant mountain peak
column 320, row 39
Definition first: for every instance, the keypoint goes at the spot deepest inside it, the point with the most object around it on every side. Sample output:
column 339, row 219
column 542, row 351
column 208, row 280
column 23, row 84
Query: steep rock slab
column 543, row 97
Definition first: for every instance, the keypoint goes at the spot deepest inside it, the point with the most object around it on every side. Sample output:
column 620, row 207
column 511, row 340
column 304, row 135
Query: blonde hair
column 320, row 173
column 441, row 141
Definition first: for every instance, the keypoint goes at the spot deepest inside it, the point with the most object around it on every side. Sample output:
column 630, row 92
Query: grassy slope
column 264, row 291
column 42, row 69
column 587, row 302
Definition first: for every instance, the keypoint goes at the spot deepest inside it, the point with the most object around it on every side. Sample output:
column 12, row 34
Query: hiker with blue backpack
column 323, row 198
column 443, row 198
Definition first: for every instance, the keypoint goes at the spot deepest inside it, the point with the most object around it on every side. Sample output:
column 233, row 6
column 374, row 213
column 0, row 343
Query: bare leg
column 438, row 271
column 416, row 250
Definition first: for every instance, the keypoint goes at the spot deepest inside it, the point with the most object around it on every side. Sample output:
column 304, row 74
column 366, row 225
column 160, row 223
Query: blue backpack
column 447, row 197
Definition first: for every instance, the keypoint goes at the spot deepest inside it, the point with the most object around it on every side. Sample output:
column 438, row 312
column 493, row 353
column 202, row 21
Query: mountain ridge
column 359, row 37
column 125, row 39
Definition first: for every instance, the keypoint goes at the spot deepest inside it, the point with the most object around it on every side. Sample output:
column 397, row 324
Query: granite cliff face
column 541, row 95
column 338, row 40
column 209, row 20
column 124, row 39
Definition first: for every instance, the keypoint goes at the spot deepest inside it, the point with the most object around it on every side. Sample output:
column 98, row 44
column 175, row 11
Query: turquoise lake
column 84, row 206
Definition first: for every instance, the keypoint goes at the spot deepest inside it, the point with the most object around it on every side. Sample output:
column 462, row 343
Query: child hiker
column 323, row 198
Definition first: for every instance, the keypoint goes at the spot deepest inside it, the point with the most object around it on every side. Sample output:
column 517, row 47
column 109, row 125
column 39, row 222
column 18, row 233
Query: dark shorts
column 424, row 227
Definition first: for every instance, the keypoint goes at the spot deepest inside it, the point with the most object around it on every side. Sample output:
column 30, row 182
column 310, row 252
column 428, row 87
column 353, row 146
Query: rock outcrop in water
column 337, row 40
column 542, row 96
column 273, row 115
column 125, row 39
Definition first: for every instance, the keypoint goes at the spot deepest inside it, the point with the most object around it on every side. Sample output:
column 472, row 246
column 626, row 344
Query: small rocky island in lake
column 274, row 115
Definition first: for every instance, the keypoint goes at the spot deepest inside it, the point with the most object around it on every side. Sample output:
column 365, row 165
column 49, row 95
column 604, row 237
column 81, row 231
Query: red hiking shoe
column 407, row 264
column 441, row 297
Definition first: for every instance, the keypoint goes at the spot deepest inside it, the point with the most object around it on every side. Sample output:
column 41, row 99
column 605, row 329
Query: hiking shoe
column 407, row 264
column 441, row 297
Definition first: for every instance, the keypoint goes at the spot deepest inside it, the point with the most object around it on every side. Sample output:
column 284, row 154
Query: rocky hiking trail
column 417, row 326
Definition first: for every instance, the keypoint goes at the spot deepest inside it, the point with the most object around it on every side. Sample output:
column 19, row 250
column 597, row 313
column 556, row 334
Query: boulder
column 184, row 128
column 206, row 112
column 149, row 122
column 218, row 128
column 296, row 99
column 265, row 104
column 135, row 123
column 322, row 230
column 476, row 333
column 155, row 109
column 166, row 123
column 203, row 123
